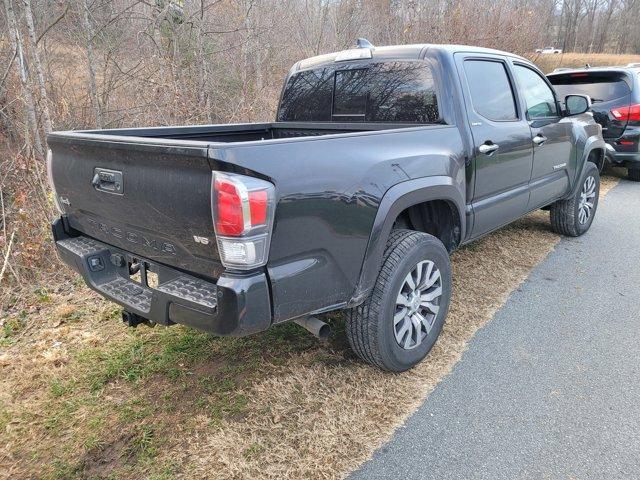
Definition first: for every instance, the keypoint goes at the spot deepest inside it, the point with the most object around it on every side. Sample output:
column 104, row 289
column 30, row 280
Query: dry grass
column 83, row 397
column 550, row 61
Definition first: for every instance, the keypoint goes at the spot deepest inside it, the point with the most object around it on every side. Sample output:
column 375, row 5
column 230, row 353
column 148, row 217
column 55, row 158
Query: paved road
column 550, row 388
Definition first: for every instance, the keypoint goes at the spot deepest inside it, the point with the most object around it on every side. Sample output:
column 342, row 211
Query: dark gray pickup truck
column 382, row 161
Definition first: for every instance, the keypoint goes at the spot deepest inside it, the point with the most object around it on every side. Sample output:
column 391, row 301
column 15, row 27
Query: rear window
column 600, row 87
column 394, row 92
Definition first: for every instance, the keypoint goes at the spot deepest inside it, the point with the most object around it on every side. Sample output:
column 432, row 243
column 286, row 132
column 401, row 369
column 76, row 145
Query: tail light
column 630, row 113
column 242, row 209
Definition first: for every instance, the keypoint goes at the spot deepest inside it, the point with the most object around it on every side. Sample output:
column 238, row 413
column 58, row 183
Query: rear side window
column 600, row 86
column 491, row 93
column 536, row 92
column 393, row 92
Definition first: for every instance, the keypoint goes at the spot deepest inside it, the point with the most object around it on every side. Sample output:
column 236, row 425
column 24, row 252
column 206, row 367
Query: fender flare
column 397, row 199
column 592, row 143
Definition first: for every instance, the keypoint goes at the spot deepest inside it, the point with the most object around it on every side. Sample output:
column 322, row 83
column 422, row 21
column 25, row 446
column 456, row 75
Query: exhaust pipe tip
column 315, row 326
column 324, row 332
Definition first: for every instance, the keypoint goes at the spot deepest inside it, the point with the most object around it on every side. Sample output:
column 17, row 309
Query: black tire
column 565, row 214
column 633, row 174
column 370, row 327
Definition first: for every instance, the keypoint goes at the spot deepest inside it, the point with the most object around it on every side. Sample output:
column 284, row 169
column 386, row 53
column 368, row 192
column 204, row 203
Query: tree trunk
column 93, row 86
column 159, row 14
column 21, row 67
column 604, row 27
column 44, row 99
column 204, row 98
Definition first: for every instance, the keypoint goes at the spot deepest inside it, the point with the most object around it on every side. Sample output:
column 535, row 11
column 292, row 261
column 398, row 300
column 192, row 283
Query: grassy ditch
column 81, row 396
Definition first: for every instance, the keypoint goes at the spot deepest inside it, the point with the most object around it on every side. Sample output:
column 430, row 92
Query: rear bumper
column 623, row 159
column 624, row 151
column 235, row 305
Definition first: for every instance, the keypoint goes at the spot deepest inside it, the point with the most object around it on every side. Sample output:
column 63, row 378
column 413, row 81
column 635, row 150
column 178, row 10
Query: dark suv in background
column 615, row 93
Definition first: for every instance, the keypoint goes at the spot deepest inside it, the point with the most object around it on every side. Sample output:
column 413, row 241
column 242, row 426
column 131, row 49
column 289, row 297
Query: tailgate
column 150, row 197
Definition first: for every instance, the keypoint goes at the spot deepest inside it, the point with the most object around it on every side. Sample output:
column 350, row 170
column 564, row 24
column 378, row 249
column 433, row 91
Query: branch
column 223, row 32
column 55, row 22
column 6, row 73
column 4, row 217
column 114, row 19
column 6, row 256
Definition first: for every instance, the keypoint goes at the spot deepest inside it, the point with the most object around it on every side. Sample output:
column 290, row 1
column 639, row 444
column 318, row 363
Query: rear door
column 151, row 199
column 608, row 90
column 553, row 157
column 502, row 141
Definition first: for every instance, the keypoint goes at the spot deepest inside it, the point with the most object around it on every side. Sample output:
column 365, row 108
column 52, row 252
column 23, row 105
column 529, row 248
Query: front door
column 502, row 142
column 553, row 156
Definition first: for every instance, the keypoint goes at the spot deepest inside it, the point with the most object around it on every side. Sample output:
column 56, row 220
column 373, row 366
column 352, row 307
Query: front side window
column 491, row 93
column 539, row 98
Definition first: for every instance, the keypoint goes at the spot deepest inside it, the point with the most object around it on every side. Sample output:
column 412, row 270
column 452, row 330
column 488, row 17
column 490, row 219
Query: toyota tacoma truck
column 381, row 162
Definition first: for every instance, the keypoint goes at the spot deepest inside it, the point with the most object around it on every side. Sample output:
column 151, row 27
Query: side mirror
column 577, row 104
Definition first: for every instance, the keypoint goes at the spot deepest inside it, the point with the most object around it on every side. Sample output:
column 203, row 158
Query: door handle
column 488, row 148
column 107, row 180
column 539, row 139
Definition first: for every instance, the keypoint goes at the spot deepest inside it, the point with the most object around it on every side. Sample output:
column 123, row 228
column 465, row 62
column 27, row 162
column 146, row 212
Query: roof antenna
column 364, row 43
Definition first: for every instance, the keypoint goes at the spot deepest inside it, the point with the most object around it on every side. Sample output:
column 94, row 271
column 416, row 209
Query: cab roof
column 400, row 52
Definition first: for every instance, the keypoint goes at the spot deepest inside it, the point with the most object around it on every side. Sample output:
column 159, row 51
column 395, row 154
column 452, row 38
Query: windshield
column 402, row 92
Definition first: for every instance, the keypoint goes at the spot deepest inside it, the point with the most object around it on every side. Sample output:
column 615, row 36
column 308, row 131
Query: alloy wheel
column 417, row 304
column 587, row 200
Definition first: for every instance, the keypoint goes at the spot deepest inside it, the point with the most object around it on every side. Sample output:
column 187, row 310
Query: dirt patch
column 105, row 460
column 81, row 396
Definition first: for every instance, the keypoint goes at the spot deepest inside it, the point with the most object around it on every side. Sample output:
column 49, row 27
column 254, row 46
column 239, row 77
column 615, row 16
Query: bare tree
column 15, row 39
column 33, row 44
column 89, row 36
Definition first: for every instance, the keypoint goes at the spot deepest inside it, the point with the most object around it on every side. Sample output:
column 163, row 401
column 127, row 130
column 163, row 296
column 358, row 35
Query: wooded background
column 100, row 63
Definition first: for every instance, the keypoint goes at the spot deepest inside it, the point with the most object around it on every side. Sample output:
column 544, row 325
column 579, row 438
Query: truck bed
column 166, row 172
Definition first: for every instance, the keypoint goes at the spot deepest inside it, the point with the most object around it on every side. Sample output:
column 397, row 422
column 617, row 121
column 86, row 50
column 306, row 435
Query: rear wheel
column 633, row 174
column 574, row 216
column 398, row 324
